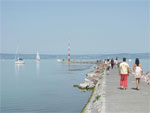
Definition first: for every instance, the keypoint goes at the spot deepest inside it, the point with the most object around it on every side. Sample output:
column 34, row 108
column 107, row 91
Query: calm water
column 41, row 87
column 144, row 62
column 46, row 86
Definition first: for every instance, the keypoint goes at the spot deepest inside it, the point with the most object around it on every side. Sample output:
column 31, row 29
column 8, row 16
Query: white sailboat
column 18, row 59
column 37, row 56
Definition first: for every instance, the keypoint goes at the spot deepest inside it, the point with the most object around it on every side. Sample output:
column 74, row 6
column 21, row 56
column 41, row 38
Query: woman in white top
column 137, row 68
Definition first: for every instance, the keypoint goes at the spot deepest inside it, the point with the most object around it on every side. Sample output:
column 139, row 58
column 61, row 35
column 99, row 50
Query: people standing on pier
column 124, row 72
column 105, row 62
column 107, row 66
column 137, row 69
column 117, row 62
column 112, row 63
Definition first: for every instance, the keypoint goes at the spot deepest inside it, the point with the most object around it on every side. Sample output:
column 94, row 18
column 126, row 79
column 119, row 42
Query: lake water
column 45, row 86
column 144, row 62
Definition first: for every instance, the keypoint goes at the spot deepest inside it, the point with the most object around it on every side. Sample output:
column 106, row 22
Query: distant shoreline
column 86, row 56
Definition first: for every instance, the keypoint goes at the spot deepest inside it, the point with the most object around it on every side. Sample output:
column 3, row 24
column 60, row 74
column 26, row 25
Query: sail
column 37, row 56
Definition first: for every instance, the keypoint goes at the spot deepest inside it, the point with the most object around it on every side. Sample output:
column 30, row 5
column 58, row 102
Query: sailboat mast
column 16, row 52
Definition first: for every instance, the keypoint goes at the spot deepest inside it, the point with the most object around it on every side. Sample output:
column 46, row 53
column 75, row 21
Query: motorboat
column 58, row 60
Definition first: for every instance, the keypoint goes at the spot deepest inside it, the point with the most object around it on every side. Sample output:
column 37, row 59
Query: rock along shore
column 94, row 81
column 95, row 104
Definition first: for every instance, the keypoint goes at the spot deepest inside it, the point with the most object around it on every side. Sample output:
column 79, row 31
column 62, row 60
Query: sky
column 92, row 27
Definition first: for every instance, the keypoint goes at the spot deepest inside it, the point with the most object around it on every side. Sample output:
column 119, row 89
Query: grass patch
column 86, row 88
column 83, row 110
column 96, row 98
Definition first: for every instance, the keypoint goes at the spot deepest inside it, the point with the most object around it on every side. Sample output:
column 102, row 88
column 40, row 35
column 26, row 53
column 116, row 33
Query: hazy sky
column 92, row 27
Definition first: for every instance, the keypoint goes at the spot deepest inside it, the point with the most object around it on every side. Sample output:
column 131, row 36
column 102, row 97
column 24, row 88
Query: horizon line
column 80, row 54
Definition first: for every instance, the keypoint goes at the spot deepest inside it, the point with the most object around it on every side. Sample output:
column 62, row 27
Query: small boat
column 19, row 61
column 58, row 60
column 130, row 60
column 37, row 56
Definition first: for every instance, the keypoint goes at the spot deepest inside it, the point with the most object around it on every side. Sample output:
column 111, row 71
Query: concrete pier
column 114, row 100
column 125, row 101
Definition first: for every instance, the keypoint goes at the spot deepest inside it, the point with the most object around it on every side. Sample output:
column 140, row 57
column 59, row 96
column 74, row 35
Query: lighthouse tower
column 69, row 52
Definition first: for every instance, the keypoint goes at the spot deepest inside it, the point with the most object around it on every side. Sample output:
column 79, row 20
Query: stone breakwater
column 95, row 81
column 96, row 103
column 92, row 78
column 145, row 76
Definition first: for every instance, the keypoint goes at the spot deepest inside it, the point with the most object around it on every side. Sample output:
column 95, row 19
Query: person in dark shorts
column 112, row 63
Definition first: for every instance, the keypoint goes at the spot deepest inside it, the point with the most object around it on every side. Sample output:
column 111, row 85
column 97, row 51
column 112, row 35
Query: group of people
column 124, row 73
column 124, row 70
column 111, row 63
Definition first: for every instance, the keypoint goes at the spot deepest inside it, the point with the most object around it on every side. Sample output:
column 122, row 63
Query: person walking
column 123, row 72
column 117, row 62
column 137, row 69
column 107, row 66
column 112, row 63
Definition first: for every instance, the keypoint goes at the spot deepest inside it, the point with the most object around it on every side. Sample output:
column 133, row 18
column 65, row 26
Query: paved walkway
column 125, row 101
